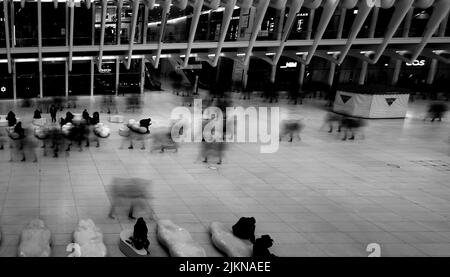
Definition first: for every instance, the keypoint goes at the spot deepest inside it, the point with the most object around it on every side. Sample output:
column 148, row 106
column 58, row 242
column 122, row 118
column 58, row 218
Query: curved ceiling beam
column 150, row 4
column 294, row 8
column 329, row 6
column 385, row 4
column 349, row 4
column 440, row 11
column 181, row 4
column 364, row 9
column 261, row 8
column 292, row 55
column 165, row 12
column 313, row 4
column 277, row 4
column 8, row 47
column 401, row 9
column 212, row 4
column 134, row 16
column 244, row 4
column 423, row 4
column 71, row 5
column 227, row 15
column 102, row 33
column 197, row 5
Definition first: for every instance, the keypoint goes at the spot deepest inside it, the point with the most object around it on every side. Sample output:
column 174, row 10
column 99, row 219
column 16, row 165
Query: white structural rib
column 364, row 8
column 440, row 10
column 39, row 13
column 55, row 3
column 102, row 33
column 329, row 6
column 401, row 9
column 197, row 5
column 165, row 12
column 8, row 47
column 133, row 31
column 88, row 4
column 227, row 14
column 22, row 3
column 261, row 8
column 72, row 15
column 294, row 8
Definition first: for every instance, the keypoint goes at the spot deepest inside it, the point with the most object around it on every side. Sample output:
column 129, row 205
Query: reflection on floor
column 318, row 197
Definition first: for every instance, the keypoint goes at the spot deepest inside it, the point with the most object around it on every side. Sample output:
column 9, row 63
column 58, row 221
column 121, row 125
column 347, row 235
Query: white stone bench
column 35, row 240
column 178, row 240
column 224, row 240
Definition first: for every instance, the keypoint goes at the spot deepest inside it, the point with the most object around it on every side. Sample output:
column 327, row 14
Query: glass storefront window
column 6, row 83
column 269, row 25
column 299, row 30
column 384, row 17
column 233, row 28
column 178, row 24
column 129, row 80
column 82, row 28
column 25, row 24
column 104, row 80
column 110, row 24
column 27, row 79
column 154, row 24
column 80, row 78
column 419, row 21
column 53, row 24
column 53, row 79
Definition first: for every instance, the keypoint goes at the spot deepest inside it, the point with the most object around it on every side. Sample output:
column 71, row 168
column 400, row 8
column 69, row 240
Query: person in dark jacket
column 95, row 118
column 261, row 247
column 11, row 117
column 85, row 116
column 145, row 123
column 37, row 114
column 53, row 110
column 139, row 240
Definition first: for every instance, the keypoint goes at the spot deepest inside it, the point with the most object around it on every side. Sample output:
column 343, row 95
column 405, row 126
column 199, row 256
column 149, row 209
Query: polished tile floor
column 318, row 197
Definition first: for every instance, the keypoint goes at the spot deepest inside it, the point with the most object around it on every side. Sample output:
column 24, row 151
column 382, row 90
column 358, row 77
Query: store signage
column 345, row 98
column 416, row 63
column 104, row 70
column 289, row 65
column 189, row 66
column 389, row 101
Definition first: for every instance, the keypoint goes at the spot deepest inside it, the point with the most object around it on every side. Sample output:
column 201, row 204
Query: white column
column 331, row 73
column 341, row 23
column 116, row 86
column 397, row 68
column 92, row 74
column 66, row 78
column 363, row 73
column 301, row 76
column 14, row 80
column 432, row 72
column 39, row 11
column 142, row 75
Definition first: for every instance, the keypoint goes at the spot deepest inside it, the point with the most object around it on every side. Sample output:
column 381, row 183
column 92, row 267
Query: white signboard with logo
column 371, row 105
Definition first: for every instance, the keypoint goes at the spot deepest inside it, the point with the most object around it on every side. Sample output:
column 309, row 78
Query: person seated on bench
column 139, row 240
column 245, row 228
column 261, row 247
column 68, row 119
column 95, row 118
column 19, row 130
column 37, row 114
column 11, row 117
column 145, row 123
column 85, row 116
